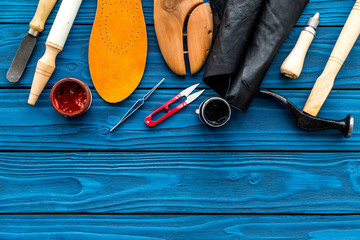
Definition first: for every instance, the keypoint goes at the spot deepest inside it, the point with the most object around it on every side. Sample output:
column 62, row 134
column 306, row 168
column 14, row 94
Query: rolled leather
column 250, row 34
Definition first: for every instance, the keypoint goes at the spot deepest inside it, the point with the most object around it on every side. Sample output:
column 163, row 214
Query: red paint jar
column 71, row 97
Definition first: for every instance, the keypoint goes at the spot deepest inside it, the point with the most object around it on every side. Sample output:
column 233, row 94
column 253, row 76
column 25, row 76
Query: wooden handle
column 44, row 69
column 54, row 44
column 294, row 63
column 42, row 13
column 64, row 21
column 325, row 82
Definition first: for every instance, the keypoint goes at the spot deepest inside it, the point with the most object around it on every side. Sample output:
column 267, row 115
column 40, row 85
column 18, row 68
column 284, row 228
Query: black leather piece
column 250, row 34
column 238, row 22
column 218, row 8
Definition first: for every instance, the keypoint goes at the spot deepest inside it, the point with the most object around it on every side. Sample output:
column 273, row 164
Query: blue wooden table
column 260, row 177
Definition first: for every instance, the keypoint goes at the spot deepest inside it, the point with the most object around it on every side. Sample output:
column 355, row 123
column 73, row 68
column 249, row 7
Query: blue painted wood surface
column 267, row 125
column 180, row 177
column 150, row 227
column 194, row 183
column 73, row 60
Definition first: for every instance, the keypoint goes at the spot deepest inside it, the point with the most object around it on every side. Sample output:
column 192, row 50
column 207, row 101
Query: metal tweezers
column 133, row 109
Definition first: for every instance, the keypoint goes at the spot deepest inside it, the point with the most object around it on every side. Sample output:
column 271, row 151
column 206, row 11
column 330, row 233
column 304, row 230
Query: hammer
column 310, row 123
column 344, row 44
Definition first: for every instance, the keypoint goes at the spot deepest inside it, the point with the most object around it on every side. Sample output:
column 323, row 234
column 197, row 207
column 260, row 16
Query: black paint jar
column 214, row 112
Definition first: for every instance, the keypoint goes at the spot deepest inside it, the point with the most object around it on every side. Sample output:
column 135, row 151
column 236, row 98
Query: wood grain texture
column 343, row 46
column 132, row 180
column 44, row 69
column 169, row 22
column 42, row 13
column 213, row 227
column 21, row 11
column 72, row 62
column 199, row 36
column 38, row 128
column 188, row 183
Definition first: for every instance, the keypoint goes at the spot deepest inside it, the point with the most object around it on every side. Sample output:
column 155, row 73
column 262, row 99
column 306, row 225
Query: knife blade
column 28, row 43
column 21, row 59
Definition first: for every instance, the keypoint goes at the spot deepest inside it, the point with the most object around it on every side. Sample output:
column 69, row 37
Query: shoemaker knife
column 29, row 41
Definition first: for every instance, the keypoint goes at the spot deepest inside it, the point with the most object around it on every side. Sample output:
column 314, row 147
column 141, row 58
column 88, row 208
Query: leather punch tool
column 189, row 99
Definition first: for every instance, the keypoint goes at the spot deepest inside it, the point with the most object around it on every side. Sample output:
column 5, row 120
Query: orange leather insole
column 118, row 48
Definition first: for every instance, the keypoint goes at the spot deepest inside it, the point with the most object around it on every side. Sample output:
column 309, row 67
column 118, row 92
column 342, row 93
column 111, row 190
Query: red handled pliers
column 189, row 99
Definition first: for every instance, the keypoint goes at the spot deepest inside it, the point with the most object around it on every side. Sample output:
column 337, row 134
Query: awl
column 293, row 64
column 54, row 45
column 28, row 43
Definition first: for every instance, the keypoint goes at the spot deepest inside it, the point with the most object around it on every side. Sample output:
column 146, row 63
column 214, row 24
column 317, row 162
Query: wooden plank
column 188, row 183
column 21, row 11
column 73, row 60
column 267, row 125
column 151, row 227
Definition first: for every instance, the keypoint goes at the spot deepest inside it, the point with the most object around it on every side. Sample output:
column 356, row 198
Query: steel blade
column 193, row 97
column 21, row 58
column 189, row 90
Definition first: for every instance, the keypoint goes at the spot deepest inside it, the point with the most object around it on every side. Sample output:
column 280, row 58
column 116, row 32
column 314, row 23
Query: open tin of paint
column 71, row 97
column 214, row 112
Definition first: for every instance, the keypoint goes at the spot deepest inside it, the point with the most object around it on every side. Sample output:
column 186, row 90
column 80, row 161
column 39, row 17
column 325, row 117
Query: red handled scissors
column 189, row 99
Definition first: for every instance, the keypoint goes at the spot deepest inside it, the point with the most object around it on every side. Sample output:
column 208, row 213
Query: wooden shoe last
column 169, row 19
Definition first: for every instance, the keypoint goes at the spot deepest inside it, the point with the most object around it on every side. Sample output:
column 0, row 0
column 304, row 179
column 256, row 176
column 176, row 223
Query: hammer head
column 308, row 122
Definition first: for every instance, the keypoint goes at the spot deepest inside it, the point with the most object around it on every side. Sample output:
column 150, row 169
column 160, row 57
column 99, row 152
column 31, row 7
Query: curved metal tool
column 308, row 122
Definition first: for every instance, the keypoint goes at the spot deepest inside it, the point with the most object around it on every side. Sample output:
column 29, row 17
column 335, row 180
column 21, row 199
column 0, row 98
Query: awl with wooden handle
column 344, row 44
column 293, row 64
column 54, row 44
column 28, row 43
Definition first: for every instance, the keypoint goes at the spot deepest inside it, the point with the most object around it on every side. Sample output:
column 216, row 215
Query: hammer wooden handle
column 325, row 82
column 42, row 13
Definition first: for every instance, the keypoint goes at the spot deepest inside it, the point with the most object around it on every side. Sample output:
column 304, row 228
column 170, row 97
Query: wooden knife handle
column 43, row 11
column 343, row 46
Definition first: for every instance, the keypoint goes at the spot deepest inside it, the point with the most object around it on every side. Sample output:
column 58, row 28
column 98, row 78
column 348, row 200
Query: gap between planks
column 180, row 214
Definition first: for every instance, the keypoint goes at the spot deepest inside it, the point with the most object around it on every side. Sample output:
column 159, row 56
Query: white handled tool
column 54, row 44
column 344, row 44
column 294, row 63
